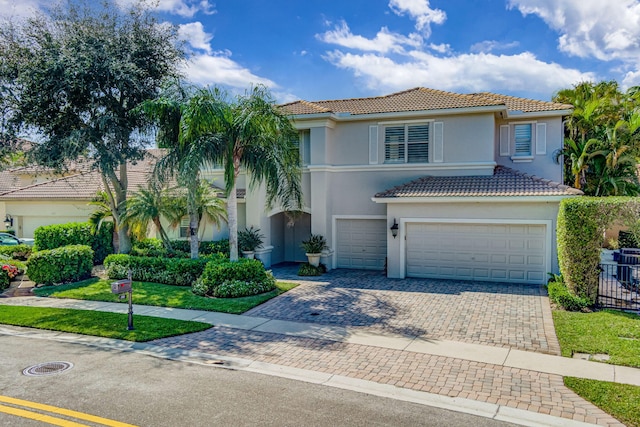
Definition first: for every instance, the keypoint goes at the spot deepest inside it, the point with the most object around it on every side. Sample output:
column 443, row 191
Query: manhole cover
column 48, row 368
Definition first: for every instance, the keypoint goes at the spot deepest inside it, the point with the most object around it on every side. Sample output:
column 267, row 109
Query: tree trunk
column 232, row 219
column 192, row 209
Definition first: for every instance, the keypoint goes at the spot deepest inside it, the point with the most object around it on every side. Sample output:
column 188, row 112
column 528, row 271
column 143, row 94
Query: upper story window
column 523, row 141
column 303, row 145
column 406, row 143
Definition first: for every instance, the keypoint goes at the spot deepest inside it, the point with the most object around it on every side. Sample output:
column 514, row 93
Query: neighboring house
column 33, row 196
column 469, row 180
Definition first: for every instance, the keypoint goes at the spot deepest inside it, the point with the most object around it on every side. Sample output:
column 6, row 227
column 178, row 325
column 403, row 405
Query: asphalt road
column 147, row 391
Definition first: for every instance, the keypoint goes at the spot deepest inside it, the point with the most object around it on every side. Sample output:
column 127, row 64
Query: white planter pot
column 249, row 254
column 314, row 259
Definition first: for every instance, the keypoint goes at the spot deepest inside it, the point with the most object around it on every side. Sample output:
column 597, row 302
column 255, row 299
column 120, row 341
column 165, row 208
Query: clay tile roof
column 418, row 99
column 525, row 105
column 504, row 182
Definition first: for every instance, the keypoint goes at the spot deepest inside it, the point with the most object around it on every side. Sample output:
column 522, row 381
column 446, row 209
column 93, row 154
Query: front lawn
column 97, row 323
column 619, row 400
column 605, row 332
column 157, row 294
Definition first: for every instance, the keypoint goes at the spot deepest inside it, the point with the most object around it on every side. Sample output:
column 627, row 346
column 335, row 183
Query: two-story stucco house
column 430, row 183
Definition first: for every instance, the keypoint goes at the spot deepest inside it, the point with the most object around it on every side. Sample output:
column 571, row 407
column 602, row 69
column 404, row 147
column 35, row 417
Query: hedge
column 153, row 247
column 61, row 265
column 170, row 271
column 582, row 222
column 20, row 252
column 228, row 279
column 559, row 294
column 76, row 233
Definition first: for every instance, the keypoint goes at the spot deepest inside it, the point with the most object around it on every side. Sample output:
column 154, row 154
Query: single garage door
column 361, row 243
column 491, row 252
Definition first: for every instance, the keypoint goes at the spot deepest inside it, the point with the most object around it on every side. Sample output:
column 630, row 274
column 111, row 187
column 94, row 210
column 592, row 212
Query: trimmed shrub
column 559, row 294
column 76, row 233
column 205, row 248
column 307, row 269
column 7, row 273
column 170, row 271
column 240, row 278
column 61, row 265
column 582, row 222
column 20, row 252
column 627, row 239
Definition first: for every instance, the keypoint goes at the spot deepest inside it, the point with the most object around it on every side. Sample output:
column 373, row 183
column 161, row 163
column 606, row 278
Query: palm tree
column 203, row 128
column 148, row 205
column 208, row 205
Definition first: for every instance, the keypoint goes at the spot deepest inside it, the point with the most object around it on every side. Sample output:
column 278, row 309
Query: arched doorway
column 286, row 237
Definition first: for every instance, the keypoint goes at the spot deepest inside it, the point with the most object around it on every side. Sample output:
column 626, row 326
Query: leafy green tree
column 249, row 133
column 75, row 78
column 602, row 141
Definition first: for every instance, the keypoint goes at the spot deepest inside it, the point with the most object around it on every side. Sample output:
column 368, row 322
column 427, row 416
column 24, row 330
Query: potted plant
column 249, row 240
column 313, row 248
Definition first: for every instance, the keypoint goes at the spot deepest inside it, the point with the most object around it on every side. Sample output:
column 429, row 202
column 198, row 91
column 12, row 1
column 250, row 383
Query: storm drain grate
column 48, row 368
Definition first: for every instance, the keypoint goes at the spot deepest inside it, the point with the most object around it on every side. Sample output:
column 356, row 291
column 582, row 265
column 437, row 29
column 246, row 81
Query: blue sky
column 314, row 50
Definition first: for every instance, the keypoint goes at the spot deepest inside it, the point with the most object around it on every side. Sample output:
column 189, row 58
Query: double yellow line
column 49, row 419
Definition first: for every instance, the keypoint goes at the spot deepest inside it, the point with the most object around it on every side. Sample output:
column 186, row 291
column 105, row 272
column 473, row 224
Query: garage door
column 494, row 252
column 361, row 243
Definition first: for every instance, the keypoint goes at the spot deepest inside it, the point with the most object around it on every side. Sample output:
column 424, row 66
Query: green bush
column 559, row 294
column 582, row 222
column 5, row 280
column 205, row 248
column 76, row 233
column 20, row 252
column 307, row 269
column 61, row 265
column 8, row 272
column 626, row 239
column 170, row 271
column 235, row 278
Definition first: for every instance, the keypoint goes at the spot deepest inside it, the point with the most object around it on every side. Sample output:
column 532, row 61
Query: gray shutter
column 438, row 142
column 373, row 145
column 541, row 138
column 504, row 140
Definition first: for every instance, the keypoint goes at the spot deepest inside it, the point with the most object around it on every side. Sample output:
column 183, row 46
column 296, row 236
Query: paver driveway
column 498, row 314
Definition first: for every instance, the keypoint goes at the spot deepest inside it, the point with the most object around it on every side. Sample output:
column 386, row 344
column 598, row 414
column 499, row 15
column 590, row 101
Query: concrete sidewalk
column 353, row 335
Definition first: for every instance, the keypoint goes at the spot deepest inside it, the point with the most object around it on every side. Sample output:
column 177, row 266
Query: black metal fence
column 620, row 283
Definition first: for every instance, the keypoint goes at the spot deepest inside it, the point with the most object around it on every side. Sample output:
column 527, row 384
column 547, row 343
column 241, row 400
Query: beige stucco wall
column 498, row 211
column 29, row 215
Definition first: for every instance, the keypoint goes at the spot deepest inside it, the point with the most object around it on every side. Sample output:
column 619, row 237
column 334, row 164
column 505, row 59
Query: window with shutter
column 522, row 137
column 406, row 144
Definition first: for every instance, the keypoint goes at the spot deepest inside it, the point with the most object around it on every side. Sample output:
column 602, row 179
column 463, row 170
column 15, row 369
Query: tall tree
column 248, row 133
column 75, row 78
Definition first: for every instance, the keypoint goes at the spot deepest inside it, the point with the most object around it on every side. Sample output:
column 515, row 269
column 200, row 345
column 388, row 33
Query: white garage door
column 494, row 252
column 361, row 243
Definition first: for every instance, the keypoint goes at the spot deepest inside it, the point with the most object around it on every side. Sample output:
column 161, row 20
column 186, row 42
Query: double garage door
column 513, row 253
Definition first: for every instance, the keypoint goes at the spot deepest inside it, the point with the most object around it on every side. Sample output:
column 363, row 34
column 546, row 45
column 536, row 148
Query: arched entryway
column 286, row 237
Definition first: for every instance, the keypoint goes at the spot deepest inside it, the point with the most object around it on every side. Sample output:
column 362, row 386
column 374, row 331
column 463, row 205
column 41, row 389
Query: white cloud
column 590, row 28
column 220, row 69
column 385, row 41
column 440, row 48
column 420, row 11
column 487, row 46
column 184, row 8
column 194, row 34
column 466, row 72
column 19, row 9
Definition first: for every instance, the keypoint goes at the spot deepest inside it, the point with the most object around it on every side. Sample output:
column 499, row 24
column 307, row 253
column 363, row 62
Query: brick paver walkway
column 516, row 388
column 495, row 314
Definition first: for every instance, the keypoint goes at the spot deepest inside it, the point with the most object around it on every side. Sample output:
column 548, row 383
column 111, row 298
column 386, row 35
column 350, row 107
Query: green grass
column 157, row 294
column 607, row 332
column 619, row 400
column 97, row 323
